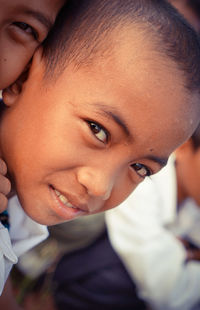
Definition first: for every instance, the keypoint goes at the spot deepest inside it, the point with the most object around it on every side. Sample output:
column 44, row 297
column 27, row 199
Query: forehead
column 133, row 72
column 129, row 57
column 133, row 80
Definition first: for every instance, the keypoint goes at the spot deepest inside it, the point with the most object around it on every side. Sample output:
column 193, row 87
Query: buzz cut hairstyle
column 82, row 27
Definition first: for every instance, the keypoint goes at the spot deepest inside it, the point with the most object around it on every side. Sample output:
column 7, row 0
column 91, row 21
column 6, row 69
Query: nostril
column 96, row 182
column 104, row 194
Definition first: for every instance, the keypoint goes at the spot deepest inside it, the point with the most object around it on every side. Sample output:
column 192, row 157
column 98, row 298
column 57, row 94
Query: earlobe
column 11, row 93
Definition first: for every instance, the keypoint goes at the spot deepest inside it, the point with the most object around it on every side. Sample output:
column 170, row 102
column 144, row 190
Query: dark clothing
column 94, row 278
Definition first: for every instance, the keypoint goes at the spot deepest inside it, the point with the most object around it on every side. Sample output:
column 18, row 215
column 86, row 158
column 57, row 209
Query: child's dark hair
column 82, row 25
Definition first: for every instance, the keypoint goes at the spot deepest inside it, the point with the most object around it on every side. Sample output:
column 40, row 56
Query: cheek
column 13, row 61
column 191, row 179
column 121, row 191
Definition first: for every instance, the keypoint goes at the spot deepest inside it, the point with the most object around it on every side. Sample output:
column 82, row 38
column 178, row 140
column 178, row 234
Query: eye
column 141, row 170
column 100, row 133
column 27, row 28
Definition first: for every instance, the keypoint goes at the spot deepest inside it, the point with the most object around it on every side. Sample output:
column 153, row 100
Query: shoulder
column 7, row 256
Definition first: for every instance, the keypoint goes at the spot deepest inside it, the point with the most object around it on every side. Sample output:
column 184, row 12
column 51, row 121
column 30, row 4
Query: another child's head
column 115, row 92
column 24, row 24
column 191, row 11
column 188, row 168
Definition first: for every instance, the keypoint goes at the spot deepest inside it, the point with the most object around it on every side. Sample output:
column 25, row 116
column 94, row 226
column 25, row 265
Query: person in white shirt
column 71, row 153
column 24, row 25
column 23, row 233
column 156, row 232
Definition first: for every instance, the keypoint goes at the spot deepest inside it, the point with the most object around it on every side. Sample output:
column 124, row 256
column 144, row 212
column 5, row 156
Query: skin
column 188, row 12
column 24, row 24
column 188, row 172
column 188, row 177
column 5, row 185
column 91, row 140
column 7, row 299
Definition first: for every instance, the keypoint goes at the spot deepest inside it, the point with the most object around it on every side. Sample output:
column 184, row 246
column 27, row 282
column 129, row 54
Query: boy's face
column 82, row 144
column 24, row 24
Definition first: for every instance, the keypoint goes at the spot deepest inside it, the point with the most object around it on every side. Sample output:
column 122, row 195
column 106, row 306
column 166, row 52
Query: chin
column 33, row 209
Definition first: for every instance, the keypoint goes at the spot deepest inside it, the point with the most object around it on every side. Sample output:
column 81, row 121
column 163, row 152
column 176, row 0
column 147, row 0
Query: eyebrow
column 162, row 161
column 115, row 116
column 41, row 17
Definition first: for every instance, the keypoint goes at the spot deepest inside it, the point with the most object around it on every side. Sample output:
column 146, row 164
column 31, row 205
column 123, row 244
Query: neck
column 181, row 191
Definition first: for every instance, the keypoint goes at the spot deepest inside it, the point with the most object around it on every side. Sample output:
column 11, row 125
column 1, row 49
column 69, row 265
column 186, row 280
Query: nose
column 98, row 183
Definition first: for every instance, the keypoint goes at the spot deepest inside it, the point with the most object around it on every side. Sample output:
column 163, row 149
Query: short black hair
column 82, row 26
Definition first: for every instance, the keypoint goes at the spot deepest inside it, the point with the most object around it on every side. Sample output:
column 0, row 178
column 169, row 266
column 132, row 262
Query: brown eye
column 27, row 28
column 141, row 170
column 100, row 133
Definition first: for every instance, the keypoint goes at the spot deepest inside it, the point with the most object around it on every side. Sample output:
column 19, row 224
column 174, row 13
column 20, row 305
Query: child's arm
column 7, row 299
column 192, row 250
column 5, row 186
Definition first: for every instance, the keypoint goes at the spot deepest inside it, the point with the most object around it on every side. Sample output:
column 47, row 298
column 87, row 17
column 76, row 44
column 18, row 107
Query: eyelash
column 96, row 129
column 138, row 166
column 94, row 126
column 24, row 26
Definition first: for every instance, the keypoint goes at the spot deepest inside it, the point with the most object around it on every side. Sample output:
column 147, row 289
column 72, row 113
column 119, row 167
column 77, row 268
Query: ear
column 185, row 150
column 11, row 93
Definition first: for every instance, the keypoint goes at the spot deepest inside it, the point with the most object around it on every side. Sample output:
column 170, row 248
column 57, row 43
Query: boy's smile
column 82, row 144
column 24, row 24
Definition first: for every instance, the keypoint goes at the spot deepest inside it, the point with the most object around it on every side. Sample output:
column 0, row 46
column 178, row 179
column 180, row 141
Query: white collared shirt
column 139, row 230
column 24, row 234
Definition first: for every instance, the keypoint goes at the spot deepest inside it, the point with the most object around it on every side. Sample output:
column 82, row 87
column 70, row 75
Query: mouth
column 64, row 199
column 64, row 207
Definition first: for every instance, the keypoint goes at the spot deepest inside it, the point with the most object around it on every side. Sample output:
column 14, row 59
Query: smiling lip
column 65, row 208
